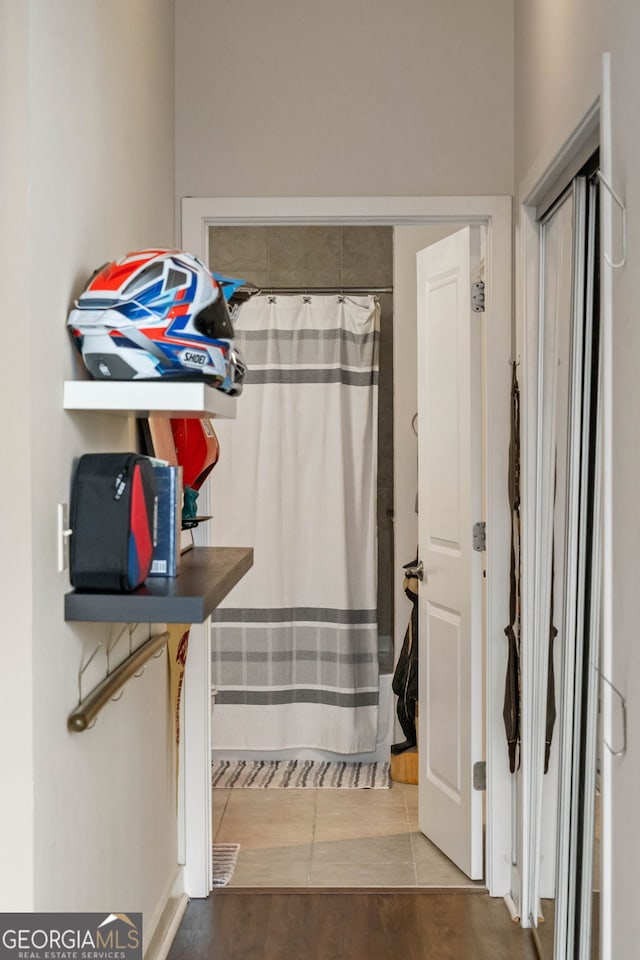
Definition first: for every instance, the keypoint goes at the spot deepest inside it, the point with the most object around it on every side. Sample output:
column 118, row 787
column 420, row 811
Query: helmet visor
column 214, row 321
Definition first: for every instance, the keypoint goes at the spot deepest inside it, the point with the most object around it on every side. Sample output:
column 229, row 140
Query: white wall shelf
column 140, row 398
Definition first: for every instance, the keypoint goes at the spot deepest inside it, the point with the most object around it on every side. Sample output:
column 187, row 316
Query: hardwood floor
column 340, row 925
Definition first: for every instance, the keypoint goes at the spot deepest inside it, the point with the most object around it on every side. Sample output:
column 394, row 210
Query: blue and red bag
column 113, row 519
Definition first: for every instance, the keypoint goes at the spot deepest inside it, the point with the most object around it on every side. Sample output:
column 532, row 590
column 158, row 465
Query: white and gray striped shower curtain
column 295, row 660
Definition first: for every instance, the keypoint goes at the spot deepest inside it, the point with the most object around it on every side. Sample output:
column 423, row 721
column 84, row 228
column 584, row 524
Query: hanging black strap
column 551, row 691
column 511, row 709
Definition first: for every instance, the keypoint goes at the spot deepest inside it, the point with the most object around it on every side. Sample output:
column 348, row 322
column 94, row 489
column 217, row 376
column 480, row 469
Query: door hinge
column 477, row 296
column 480, row 536
column 480, row 775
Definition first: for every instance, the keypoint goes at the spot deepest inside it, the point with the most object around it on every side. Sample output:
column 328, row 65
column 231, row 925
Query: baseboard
column 166, row 927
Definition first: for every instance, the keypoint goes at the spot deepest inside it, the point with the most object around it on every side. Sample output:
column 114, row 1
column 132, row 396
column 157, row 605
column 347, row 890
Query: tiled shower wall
column 332, row 256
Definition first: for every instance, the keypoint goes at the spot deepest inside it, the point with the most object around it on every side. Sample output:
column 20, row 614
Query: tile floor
column 330, row 838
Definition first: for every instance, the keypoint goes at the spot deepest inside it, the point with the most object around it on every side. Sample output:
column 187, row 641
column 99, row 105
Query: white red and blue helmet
column 157, row 313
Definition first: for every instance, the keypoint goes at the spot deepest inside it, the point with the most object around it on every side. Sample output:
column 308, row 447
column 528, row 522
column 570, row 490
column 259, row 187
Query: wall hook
column 623, row 703
column 83, row 669
column 111, row 644
column 84, row 716
column 615, row 265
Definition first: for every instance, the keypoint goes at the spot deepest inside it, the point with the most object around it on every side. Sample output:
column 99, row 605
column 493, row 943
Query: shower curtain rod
column 363, row 291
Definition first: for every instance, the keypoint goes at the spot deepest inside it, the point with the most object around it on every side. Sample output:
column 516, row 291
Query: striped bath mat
column 313, row 774
column 225, row 856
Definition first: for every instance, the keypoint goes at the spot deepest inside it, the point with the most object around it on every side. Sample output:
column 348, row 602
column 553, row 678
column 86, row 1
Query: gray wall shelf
column 207, row 574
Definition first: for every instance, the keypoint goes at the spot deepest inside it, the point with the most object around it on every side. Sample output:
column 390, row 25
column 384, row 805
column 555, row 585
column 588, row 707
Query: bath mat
column 225, row 856
column 263, row 774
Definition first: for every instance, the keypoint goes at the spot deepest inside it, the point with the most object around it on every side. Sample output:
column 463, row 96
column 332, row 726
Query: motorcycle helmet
column 157, row 313
column 197, row 449
column 236, row 291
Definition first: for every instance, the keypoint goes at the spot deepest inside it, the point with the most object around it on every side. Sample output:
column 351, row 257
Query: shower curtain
column 295, row 649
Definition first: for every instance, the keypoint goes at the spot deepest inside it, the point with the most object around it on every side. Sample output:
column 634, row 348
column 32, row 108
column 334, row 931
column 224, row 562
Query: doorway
column 287, row 265
column 495, row 213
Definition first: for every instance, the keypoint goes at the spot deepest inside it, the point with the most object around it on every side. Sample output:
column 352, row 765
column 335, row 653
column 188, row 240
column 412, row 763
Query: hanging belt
column 553, row 633
column 511, row 709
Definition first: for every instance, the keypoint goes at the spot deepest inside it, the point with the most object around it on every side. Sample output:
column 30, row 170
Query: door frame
column 495, row 212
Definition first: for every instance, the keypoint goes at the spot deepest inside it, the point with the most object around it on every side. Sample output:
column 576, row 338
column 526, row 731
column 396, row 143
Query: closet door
column 568, row 588
column 557, row 259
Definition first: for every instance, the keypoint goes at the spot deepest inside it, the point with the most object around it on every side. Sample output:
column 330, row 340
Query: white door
column 450, row 503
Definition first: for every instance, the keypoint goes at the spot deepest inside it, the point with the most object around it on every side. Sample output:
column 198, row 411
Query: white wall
column 344, row 97
column 16, row 734
column 98, row 170
column 623, row 31
column 557, row 76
